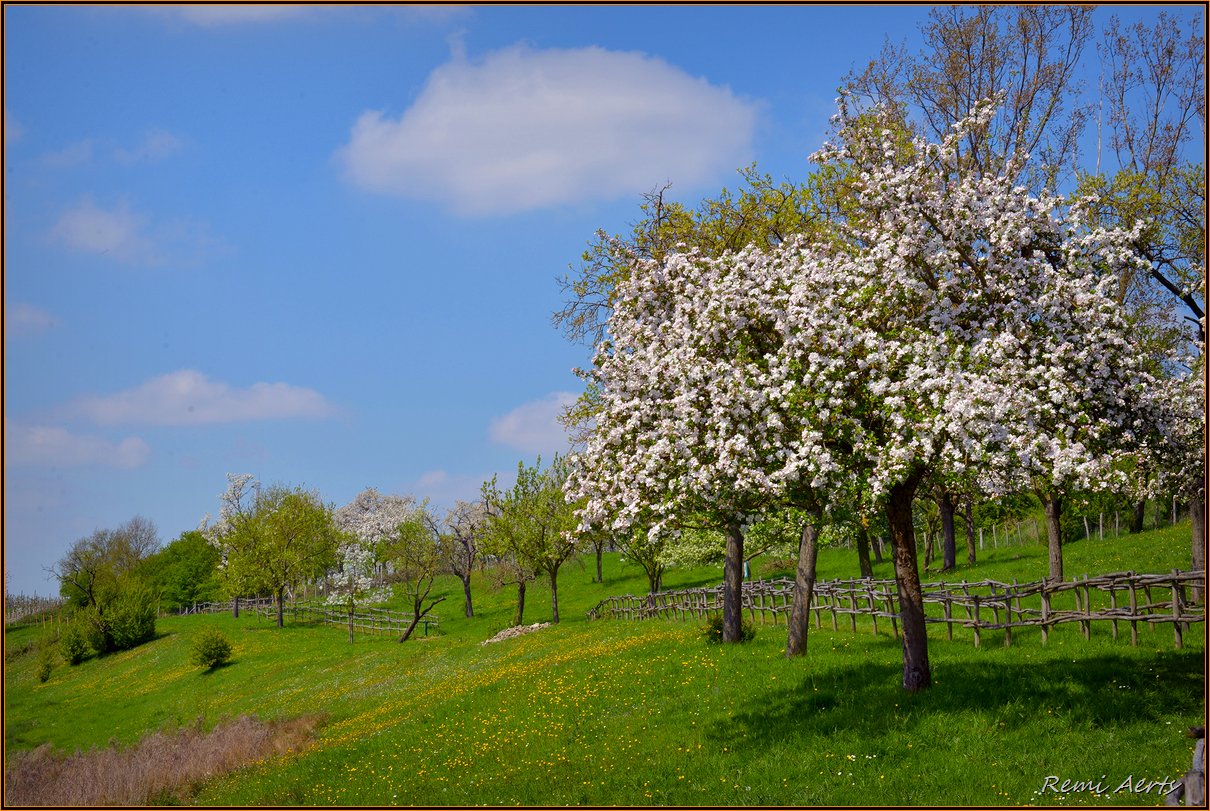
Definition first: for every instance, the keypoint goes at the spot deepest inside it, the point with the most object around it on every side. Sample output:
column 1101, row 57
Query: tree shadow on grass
column 1104, row 691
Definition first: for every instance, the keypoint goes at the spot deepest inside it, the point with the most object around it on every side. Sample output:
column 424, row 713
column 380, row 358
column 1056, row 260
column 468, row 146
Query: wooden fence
column 365, row 618
column 986, row 605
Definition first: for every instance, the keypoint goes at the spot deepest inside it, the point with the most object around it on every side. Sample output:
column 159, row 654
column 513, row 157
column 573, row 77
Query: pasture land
column 642, row 713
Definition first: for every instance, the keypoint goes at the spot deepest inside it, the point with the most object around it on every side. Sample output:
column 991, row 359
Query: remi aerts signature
column 1130, row 785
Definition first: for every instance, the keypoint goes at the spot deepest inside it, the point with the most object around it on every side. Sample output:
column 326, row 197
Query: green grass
column 643, row 713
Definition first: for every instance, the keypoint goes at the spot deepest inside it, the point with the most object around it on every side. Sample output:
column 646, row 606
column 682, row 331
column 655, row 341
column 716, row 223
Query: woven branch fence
column 987, row 605
column 365, row 618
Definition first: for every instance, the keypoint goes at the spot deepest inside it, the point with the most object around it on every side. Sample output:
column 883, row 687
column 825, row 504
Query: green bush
column 713, row 630
column 211, row 649
column 130, row 619
column 73, row 641
column 46, row 664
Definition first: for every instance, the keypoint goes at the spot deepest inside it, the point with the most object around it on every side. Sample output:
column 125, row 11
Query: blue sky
column 320, row 244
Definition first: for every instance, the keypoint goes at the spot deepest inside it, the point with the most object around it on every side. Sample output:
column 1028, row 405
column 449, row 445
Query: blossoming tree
column 923, row 336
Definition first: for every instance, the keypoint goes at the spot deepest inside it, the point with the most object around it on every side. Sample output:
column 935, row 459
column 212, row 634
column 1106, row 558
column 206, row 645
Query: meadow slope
column 643, row 713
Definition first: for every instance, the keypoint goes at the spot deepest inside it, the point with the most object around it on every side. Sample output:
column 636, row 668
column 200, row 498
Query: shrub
column 46, row 664
column 130, row 619
column 73, row 642
column 211, row 649
column 713, row 630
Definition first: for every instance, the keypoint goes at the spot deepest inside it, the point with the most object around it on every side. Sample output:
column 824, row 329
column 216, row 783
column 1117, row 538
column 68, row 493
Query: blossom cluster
column 952, row 321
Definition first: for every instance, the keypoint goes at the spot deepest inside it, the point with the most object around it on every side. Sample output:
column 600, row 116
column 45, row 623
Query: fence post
column 1134, row 608
column 1176, row 609
column 976, row 625
column 1086, row 623
column 1045, row 611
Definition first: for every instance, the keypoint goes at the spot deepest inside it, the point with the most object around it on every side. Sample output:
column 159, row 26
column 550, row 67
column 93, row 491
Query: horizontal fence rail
column 365, row 618
column 985, row 605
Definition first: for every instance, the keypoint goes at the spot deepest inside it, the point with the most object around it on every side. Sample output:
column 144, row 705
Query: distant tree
column 184, row 572
column 461, row 535
column 531, row 525
column 414, row 557
column 272, row 539
column 102, row 577
column 368, row 525
column 95, row 567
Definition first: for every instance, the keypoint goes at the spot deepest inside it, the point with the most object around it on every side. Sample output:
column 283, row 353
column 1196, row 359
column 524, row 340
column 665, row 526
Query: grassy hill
column 642, row 713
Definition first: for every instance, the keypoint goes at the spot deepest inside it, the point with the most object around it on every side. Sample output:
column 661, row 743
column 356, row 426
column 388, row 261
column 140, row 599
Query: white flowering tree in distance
column 951, row 322
column 368, row 522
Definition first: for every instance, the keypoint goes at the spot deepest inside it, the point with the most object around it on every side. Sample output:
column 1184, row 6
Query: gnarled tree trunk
column 970, row 534
column 520, row 603
column 733, row 575
column 1140, row 512
column 949, row 552
column 1054, row 534
column 863, row 552
column 799, row 623
column 916, row 673
column 466, row 591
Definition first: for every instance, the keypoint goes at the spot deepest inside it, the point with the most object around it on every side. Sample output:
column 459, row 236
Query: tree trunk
column 970, row 534
column 554, row 595
column 878, row 548
column 235, row 607
column 280, row 603
column 863, row 552
column 654, row 577
column 733, row 570
column 804, row 589
column 600, row 549
column 407, row 632
column 520, row 603
column 1054, row 534
column 916, row 673
column 1140, row 511
column 466, row 591
column 949, row 552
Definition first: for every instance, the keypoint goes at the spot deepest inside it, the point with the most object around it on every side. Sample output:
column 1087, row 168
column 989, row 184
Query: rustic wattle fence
column 365, row 618
column 1121, row 599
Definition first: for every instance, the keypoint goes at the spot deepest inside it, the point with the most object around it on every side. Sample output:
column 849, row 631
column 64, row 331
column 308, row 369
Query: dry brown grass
column 163, row 767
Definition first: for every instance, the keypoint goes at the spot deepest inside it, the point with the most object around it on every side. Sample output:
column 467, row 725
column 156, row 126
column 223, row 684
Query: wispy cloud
column 534, row 427
column 22, row 319
column 70, row 156
column 126, row 236
column 54, row 446
column 156, row 145
column 188, row 397
column 116, row 232
column 526, row 129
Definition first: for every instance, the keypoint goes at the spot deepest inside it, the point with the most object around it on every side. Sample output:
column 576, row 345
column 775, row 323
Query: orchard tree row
column 924, row 314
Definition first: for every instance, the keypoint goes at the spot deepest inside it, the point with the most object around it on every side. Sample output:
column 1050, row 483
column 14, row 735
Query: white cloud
column 235, row 13
column 12, row 128
column 156, row 145
column 116, row 232
column 76, row 154
column 526, row 129
column 129, row 237
column 52, row 446
column 26, row 319
column 534, row 427
column 188, row 397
